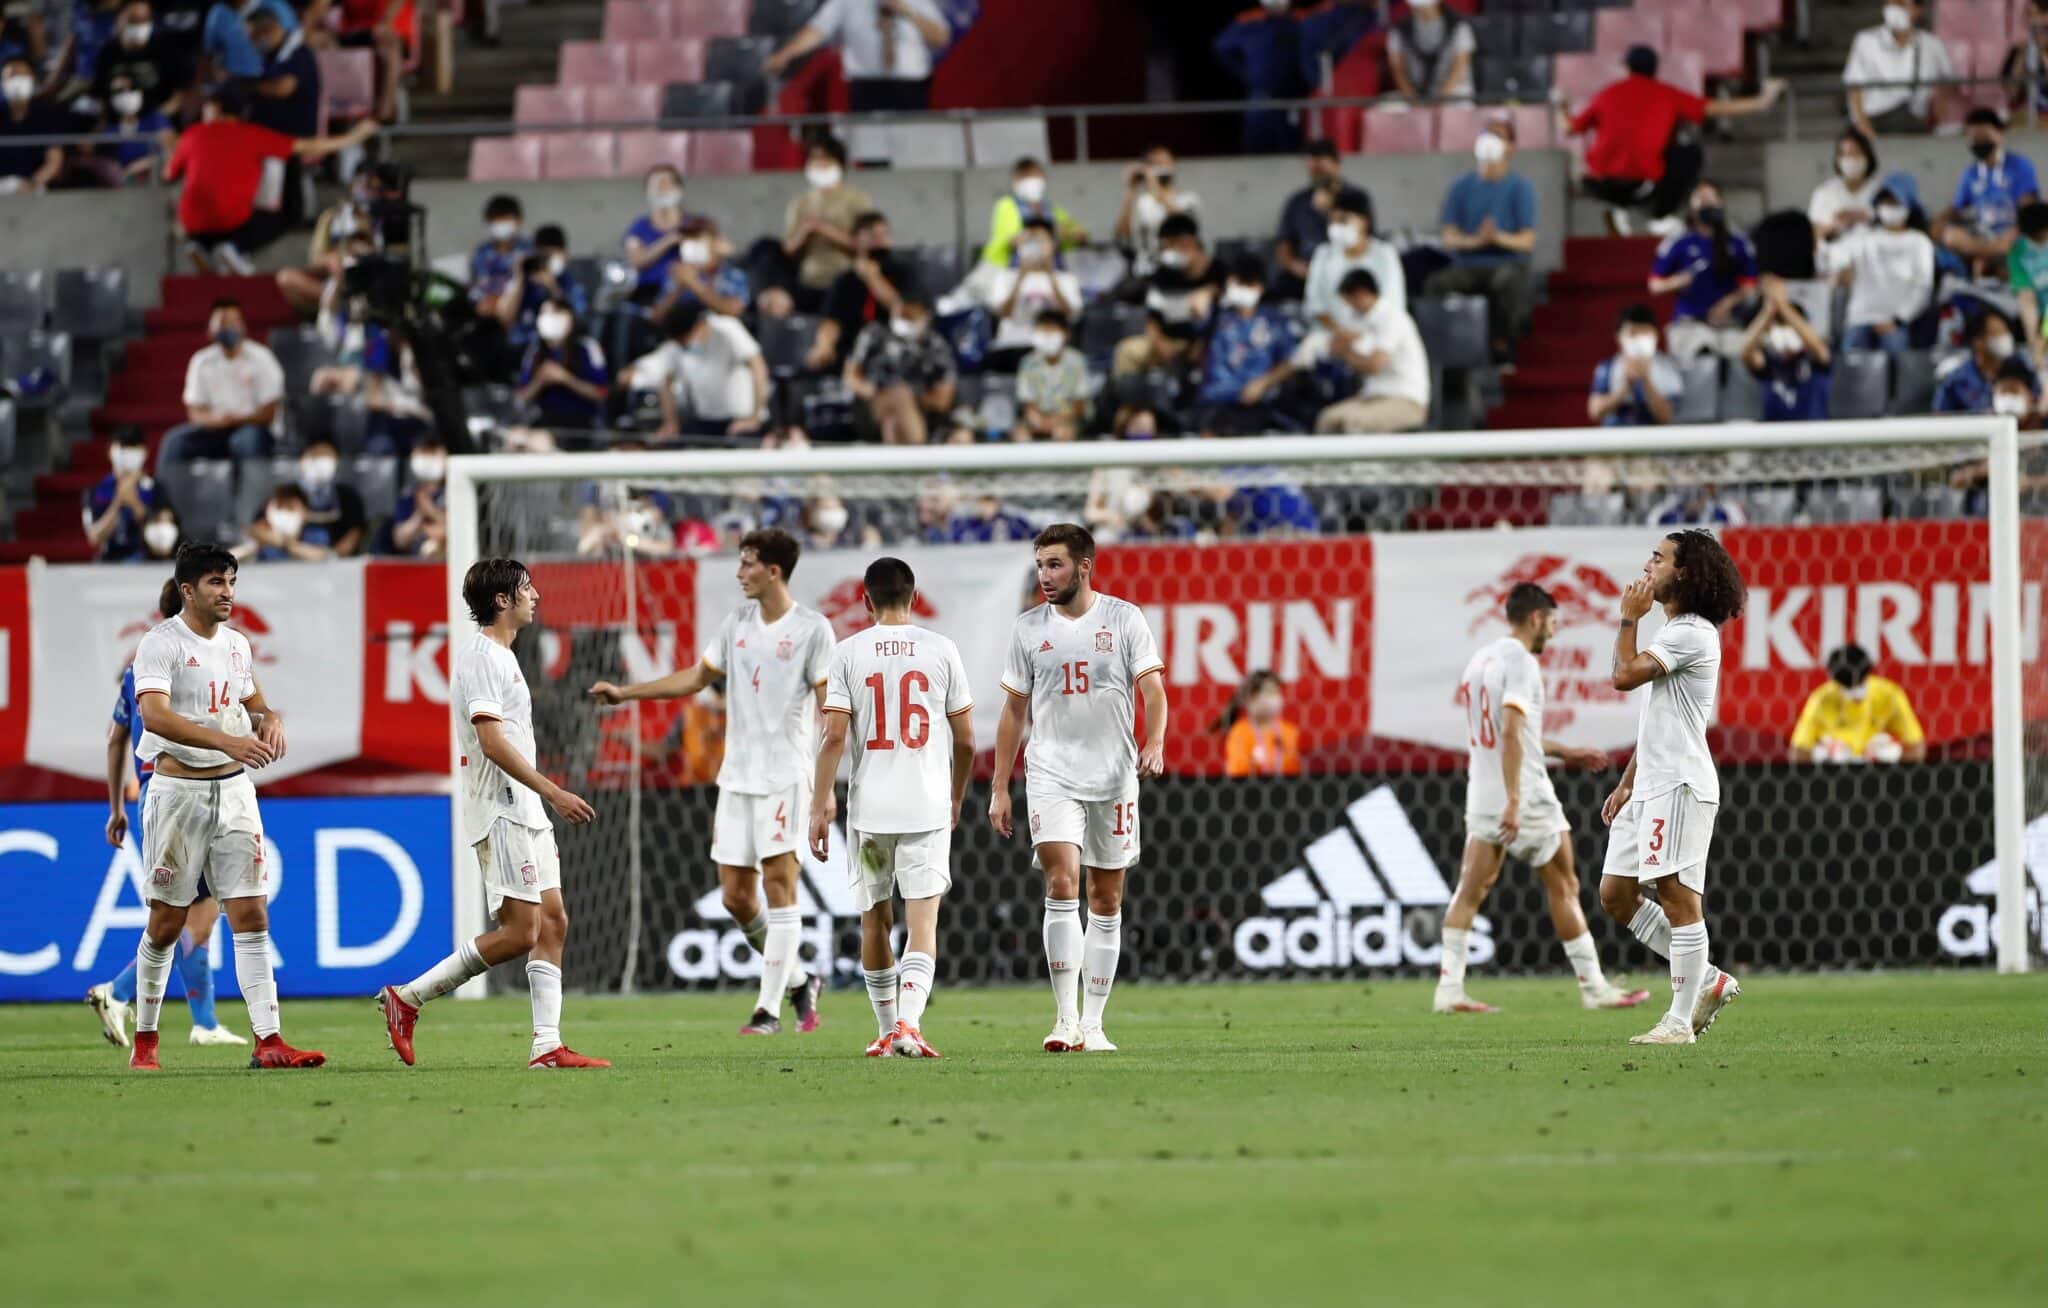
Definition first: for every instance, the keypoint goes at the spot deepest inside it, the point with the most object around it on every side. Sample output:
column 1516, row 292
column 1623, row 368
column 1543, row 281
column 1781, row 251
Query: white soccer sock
column 259, row 986
column 544, row 984
column 778, row 956
column 152, row 974
column 1063, row 955
column 445, row 976
column 916, row 989
column 1688, row 968
column 1451, row 969
column 1652, row 928
column 882, row 996
column 1585, row 961
column 1098, row 964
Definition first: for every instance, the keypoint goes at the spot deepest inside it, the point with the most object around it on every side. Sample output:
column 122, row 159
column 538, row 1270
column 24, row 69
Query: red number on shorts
column 1656, row 835
column 1074, row 678
column 781, row 820
column 916, row 724
column 1126, row 819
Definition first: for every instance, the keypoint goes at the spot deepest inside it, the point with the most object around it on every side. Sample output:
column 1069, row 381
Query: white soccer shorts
column 1664, row 836
column 748, row 830
column 1537, row 836
column 916, row 863
column 211, row 829
column 1105, row 829
column 518, row 862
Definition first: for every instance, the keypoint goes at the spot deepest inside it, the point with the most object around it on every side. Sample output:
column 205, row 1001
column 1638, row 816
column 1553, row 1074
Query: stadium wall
column 129, row 228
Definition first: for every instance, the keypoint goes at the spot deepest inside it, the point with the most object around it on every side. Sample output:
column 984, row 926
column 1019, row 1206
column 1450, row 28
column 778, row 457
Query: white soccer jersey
column 207, row 681
column 772, row 670
column 1678, row 707
column 1081, row 676
column 487, row 683
column 901, row 686
column 1501, row 676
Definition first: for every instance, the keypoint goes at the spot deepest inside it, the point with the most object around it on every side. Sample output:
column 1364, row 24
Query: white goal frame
column 467, row 472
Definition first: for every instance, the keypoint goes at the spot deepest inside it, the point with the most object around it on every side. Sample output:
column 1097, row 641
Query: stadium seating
column 505, row 159
column 348, row 84
column 550, row 106
column 618, row 105
column 578, row 156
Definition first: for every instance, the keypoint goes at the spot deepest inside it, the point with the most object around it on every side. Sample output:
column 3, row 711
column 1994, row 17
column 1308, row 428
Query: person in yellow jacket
column 1026, row 200
column 1857, row 717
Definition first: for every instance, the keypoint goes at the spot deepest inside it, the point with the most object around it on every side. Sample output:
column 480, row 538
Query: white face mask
column 161, row 537
column 557, row 264
column 1344, row 235
column 1852, row 167
column 127, row 103
column 1639, row 345
column 907, row 328
column 317, row 472
column 1999, row 346
column 1173, row 258
column 1898, row 18
column 1489, row 149
column 696, row 252
column 285, row 522
column 661, row 197
column 1783, row 340
column 1033, row 251
column 18, row 88
column 1049, row 343
column 128, row 459
column 1031, row 190
column 1859, row 691
column 1892, row 215
column 553, row 327
column 1241, row 297
column 2009, row 405
column 428, row 467
column 1136, row 500
column 830, row 519
column 824, row 177
column 137, row 34
column 505, row 229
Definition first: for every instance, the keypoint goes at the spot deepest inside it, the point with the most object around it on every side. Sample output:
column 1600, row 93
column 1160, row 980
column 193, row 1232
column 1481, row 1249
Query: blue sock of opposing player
column 123, row 985
column 197, row 970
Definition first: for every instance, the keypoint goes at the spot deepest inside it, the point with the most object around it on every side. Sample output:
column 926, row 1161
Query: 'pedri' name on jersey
column 891, row 649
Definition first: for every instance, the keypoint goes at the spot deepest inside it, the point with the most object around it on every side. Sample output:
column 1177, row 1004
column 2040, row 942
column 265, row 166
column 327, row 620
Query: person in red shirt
column 388, row 28
column 1638, row 157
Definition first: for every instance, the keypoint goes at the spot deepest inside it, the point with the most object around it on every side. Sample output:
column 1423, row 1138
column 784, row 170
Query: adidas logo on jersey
column 823, row 892
column 1357, row 900
column 1971, row 930
column 191, row 662
column 1046, row 646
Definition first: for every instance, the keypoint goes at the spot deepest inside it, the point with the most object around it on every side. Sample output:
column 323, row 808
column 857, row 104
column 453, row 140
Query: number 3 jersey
column 1501, row 676
column 1081, row 676
column 206, row 679
column 901, row 686
column 772, row 671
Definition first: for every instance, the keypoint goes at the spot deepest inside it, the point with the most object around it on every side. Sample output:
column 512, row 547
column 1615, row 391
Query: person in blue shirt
column 1713, row 270
column 1983, row 220
column 1267, row 508
column 654, row 240
column 110, row 1000
column 494, row 267
column 146, row 133
column 1249, row 355
column 122, row 501
column 701, row 274
column 1489, row 226
column 225, row 37
column 419, row 521
column 1262, row 50
column 1638, row 387
column 1967, row 386
column 563, row 375
column 1782, row 350
column 287, row 91
column 93, row 24
column 984, row 520
column 543, row 276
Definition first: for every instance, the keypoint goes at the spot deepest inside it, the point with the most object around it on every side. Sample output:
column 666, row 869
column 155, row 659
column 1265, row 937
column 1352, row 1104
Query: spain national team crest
column 527, row 875
column 160, row 877
column 1036, row 823
column 1103, row 642
column 235, row 659
column 785, row 650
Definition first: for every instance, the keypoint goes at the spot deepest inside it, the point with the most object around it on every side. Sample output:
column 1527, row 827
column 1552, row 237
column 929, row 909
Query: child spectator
column 1258, row 741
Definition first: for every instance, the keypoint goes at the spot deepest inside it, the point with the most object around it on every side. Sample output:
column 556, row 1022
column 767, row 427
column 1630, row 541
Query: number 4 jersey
column 1081, row 676
column 901, row 686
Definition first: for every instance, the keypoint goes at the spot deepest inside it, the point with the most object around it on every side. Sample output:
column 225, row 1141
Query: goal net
column 1889, row 830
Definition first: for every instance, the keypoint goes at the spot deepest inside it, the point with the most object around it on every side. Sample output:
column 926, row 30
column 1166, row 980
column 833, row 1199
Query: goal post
column 1390, row 489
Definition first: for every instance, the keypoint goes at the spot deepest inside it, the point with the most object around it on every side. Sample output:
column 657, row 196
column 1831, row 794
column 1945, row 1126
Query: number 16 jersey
column 900, row 685
column 1081, row 676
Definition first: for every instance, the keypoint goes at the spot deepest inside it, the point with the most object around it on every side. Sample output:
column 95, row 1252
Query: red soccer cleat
column 143, row 1059
column 561, row 1056
column 399, row 1018
column 883, row 1046
column 273, row 1052
column 910, row 1042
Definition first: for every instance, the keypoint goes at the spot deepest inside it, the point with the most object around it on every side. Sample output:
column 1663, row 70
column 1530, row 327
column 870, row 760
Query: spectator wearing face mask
column 494, row 266
column 824, row 524
column 335, row 517
column 1188, row 277
column 1965, row 385
column 225, row 37
column 711, row 367
column 1247, row 361
column 1025, row 202
column 1639, row 386
column 563, row 376
column 1857, row 717
column 1895, row 73
column 1712, row 268
column 1783, row 351
column 151, row 60
column 233, row 388
column 902, row 373
column 1983, row 221
column 1257, row 740
column 1429, row 53
column 1261, row 50
column 26, row 167
column 1052, row 386
column 1305, row 219
column 543, row 276
column 654, row 240
column 1150, row 198
column 117, row 508
column 818, row 244
column 147, row 134
column 1379, row 355
column 279, row 534
column 2012, row 396
column 419, row 524
column 2026, row 272
column 1889, row 269
column 1015, row 296
column 703, row 275
column 868, row 292
column 1489, row 226
column 1352, row 248
column 1848, row 199
column 161, row 535
column 287, row 91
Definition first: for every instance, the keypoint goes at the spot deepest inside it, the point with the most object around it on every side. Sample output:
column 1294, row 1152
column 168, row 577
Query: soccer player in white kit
column 1662, row 813
column 205, row 724
column 1511, row 808
column 1075, row 666
column 772, row 652
column 504, row 823
column 900, row 693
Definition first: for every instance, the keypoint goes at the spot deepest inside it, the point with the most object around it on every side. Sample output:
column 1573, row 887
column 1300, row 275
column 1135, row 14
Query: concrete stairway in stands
column 1574, row 330
column 145, row 389
column 486, row 78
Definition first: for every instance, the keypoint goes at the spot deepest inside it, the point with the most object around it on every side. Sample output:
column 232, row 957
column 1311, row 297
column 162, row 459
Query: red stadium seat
column 1582, row 76
column 578, row 156
column 640, row 151
column 596, row 63
column 721, row 152
column 348, row 83
column 505, row 159
column 636, row 20
column 612, row 105
column 1684, row 69
column 669, row 61
column 1400, row 131
column 1714, row 34
column 708, row 18
column 1615, row 30
column 549, row 106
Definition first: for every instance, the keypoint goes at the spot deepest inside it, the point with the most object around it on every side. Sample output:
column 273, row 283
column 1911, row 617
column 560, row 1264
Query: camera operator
column 543, row 276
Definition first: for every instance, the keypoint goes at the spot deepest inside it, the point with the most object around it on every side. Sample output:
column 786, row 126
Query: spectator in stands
column 494, row 267
column 902, row 373
column 1162, row 345
column 1712, row 269
column 375, row 367
column 1639, row 157
column 161, row 534
column 1052, row 386
column 1027, row 200
column 117, row 508
column 2026, row 268
column 711, row 367
column 1983, row 221
column 2012, row 396
column 1185, row 284
column 305, row 287
column 233, row 388
column 1261, row 50
column 27, row 167
column 868, row 292
column 1697, row 506
column 1350, row 248
column 1783, row 351
column 1150, row 198
column 2026, row 64
column 1889, row 269
column 1857, row 717
column 1965, row 385
column 817, row 228
column 385, row 28
column 563, row 376
column 148, row 135
column 278, row 534
column 1489, row 225
column 1258, row 741
column 1429, row 53
column 985, row 519
column 1378, row 353
column 1247, row 361
column 1016, row 296
column 93, row 25
column 886, row 48
column 152, row 60
column 226, row 41
column 1639, row 386
column 654, row 241
column 1848, row 199
column 287, row 93
column 543, row 276
column 1305, row 219
column 1895, row 74
column 335, row 516
column 419, row 525
column 701, row 274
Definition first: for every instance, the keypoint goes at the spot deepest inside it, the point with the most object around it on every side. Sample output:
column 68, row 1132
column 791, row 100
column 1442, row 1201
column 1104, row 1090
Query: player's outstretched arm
column 269, row 722
column 1009, row 735
column 490, row 734
column 824, row 801
column 1152, row 757
column 676, row 685
column 157, row 718
column 1633, row 669
column 1575, row 756
column 963, row 756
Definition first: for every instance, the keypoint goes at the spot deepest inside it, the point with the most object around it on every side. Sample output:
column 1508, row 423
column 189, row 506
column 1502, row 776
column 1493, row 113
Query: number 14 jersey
column 1081, row 676
column 900, row 685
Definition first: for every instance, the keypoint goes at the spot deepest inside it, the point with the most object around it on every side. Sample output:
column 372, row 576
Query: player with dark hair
column 772, row 653
column 501, row 792
column 1662, row 813
column 1511, row 808
column 1076, row 666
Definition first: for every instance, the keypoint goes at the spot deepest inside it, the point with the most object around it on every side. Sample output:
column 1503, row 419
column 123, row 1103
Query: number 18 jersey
column 901, row 686
column 1501, row 676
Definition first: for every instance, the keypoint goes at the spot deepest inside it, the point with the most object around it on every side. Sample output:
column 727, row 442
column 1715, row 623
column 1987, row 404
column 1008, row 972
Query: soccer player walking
column 502, row 818
column 1075, row 668
column 1662, row 814
column 772, row 653
column 1511, row 808
column 900, row 693
column 205, row 724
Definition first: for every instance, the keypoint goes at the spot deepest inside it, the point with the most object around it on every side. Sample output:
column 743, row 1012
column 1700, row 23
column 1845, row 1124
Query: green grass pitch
column 1837, row 1140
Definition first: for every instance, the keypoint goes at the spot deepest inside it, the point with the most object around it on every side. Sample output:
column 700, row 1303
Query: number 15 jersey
column 1081, row 676
column 901, row 686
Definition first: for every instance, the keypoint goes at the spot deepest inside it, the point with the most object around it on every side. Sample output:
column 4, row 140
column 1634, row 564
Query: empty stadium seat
column 1713, row 33
column 779, row 18
column 577, row 156
column 1742, row 395
column 1400, row 131
column 24, row 300
column 784, row 342
column 1453, row 329
column 738, row 59
column 640, row 151
column 505, row 159
column 1913, row 390
column 1565, row 32
column 690, row 100
column 1615, row 30
column 348, row 84
column 613, row 105
column 709, row 18
column 1845, row 503
column 1702, row 399
column 550, row 106
column 1495, row 34
column 1524, row 77
column 1000, row 142
column 1457, row 126
column 91, row 303
column 596, row 63
column 722, row 152
column 1582, row 76
column 1861, row 385
column 661, row 62
column 636, row 20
